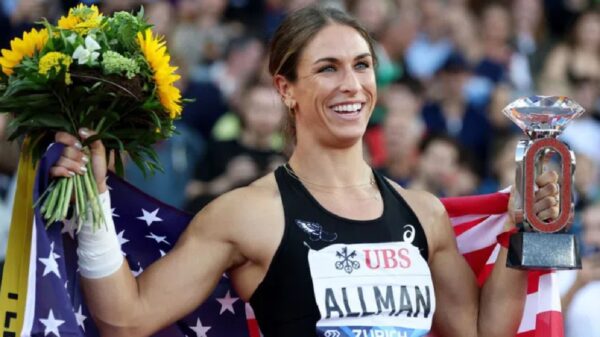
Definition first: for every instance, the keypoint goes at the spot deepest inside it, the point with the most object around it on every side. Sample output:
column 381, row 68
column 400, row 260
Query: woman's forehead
column 335, row 41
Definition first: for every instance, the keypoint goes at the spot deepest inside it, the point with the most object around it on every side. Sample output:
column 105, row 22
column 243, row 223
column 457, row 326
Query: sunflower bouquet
column 110, row 74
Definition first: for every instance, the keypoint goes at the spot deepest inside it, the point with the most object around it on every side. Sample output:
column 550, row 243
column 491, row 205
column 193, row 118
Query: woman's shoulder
column 428, row 208
column 241, row 205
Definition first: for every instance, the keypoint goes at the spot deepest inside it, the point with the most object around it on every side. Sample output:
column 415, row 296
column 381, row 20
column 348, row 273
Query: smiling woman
column 324, row 245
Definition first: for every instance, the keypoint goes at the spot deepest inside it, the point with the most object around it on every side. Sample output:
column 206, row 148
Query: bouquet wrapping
column 109, row 74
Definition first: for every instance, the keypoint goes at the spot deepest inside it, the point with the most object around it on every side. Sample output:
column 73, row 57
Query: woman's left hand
column 546, row 204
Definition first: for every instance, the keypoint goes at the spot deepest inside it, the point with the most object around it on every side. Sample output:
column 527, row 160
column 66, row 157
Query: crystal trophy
column 539, row 244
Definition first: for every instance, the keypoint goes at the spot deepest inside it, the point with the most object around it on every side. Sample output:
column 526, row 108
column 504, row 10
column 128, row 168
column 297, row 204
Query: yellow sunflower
column 31, row 43
column 156, row 55
column 81, row 19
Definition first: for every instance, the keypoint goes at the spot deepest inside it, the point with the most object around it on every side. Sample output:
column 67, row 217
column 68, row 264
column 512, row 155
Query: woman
column 293, row 241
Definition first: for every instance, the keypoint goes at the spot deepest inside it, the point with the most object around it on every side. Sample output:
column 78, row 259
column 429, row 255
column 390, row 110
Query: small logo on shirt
column 346, row 262
column 316, row 231
column 332, row 333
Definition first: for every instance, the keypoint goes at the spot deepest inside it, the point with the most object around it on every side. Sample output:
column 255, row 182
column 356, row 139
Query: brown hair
column 298, row 29
column 295, row 32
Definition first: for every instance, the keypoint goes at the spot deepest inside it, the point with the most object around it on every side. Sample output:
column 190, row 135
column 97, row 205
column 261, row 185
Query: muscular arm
column 462, row 308
column 173, row 286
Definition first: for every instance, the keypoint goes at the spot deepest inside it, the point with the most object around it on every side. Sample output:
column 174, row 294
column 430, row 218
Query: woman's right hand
column 73, row 160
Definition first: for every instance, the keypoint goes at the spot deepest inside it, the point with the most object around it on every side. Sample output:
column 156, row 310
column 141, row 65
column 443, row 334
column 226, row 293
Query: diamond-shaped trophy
column 543, row 244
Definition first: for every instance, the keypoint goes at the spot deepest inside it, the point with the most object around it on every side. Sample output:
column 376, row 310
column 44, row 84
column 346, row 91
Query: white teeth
column 347, row 107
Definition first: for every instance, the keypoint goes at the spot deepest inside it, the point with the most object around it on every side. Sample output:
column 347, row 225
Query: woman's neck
column 331, row 166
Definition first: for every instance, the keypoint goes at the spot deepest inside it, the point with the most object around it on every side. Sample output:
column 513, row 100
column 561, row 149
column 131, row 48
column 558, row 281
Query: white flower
column 87, row 55
column 71, row 39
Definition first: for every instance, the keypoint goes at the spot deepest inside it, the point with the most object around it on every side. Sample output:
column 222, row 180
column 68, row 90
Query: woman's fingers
column 550, row 189
column 67, row 139
column 58, row 171
column 546, row 204
column 71, row 165
column 75, row 154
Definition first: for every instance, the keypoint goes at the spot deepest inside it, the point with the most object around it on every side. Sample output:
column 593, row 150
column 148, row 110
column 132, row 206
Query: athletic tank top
column 337, row 277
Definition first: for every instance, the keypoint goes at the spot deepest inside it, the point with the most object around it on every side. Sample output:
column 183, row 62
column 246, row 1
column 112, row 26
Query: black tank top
column 284, row 302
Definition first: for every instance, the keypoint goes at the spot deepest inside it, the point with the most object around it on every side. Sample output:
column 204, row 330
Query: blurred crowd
column 446, row 69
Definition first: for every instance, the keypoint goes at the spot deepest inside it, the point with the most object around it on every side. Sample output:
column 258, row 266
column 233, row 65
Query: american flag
column 148, row 229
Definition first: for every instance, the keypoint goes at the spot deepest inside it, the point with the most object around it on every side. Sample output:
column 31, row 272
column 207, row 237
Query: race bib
column 372, row 290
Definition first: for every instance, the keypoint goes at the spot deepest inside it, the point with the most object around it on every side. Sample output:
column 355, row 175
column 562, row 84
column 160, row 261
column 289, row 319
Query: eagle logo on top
column 315, row 231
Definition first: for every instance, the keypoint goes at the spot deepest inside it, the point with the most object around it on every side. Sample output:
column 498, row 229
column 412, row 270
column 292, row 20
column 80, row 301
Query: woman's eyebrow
column 333, row 59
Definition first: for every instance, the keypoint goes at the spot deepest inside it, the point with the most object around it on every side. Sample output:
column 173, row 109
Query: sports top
column 336, row 277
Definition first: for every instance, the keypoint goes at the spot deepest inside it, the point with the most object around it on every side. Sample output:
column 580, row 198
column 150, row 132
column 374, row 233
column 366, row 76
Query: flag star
column 50, row 265
column 114, row 215
column 157, row 238
column 51, row 324
column 122, row 240
column 199, row 329
column 162, row 253
column 69, row 226
column 80, row 317
column 137, row 272
column 227, row 303
column 149, row 217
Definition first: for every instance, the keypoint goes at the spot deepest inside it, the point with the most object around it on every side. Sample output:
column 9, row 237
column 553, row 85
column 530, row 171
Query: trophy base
column 540, row 251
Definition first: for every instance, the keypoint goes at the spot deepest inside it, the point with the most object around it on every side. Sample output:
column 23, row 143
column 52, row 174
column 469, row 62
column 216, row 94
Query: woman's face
column 335, row 90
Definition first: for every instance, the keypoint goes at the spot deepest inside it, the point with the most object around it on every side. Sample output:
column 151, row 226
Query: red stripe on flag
column 547, row 324
column 465, row 226
column 494, row 203
column 253, row 329
column 478, row 258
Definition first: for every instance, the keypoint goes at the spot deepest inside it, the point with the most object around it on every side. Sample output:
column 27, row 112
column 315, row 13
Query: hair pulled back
column 298, row 29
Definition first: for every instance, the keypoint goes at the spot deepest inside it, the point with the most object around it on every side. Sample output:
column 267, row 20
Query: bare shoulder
column 431, row 213
column 241, row 206
column 428, row 207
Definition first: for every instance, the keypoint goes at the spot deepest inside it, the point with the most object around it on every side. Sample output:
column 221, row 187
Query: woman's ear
column 285, row 90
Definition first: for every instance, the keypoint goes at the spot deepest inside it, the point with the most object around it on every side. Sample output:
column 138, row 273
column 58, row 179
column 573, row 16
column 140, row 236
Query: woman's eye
column 328, row 68
column 362, row 65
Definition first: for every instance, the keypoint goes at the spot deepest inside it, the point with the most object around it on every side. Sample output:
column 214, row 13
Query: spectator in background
column 438, row 164
column 161, row 14
column 503, row 167
column 587, row 180
column 403, row 130
column 578, row 58
column 235, row 163
column 217, row 91
column 432, row 46
column 463, row 32
column 448, row 111
column 531, row 43
column 110, row 6
column 581, row 289
column 583, row 133
column 23, row 14
column 200, row 36
column 396, row 35
column 372, row 14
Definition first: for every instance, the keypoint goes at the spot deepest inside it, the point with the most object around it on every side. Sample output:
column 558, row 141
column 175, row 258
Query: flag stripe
column 494, row 203
column 484, row 235
column 462, row 225
column 476, row 238
column 29, row 312
column 147, row 229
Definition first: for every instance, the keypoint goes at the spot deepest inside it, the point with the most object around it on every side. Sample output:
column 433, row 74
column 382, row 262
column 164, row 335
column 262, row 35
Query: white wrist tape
column 99, row 250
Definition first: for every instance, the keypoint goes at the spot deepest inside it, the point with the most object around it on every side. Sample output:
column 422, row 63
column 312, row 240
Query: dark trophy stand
column 541, row 245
